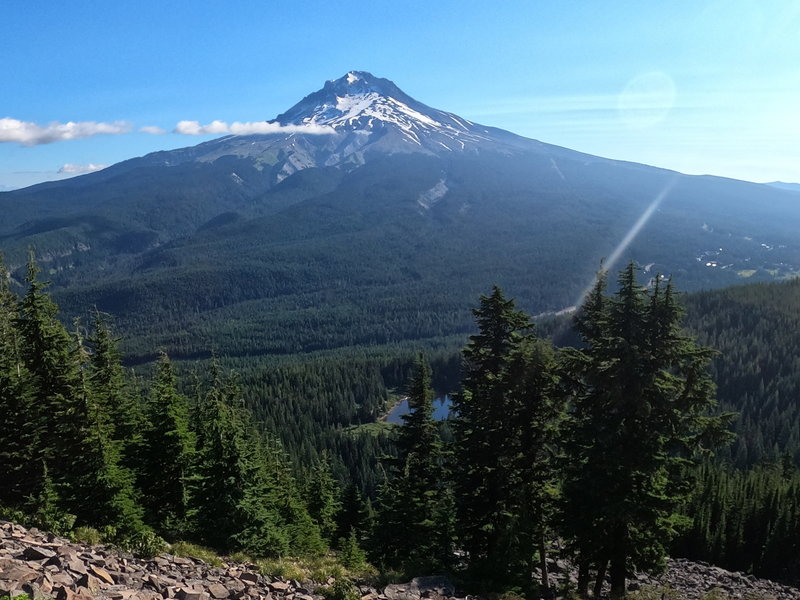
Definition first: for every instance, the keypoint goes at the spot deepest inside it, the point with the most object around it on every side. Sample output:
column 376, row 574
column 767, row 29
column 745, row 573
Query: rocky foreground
column 43, row 565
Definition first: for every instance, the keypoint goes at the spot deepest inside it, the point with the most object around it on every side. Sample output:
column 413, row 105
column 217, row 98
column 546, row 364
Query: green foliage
column 323, row 493
column 86, row 535
column 756, row 328
column 413, row 525
column 195, row 551
column 167, row 453
column 744, row 520
column 507, row 420
column 80, row 436
column 144, row 543
column 350, row 553
column 342, row 589
column 640, row 411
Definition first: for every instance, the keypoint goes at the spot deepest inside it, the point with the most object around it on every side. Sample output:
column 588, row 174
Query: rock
column 37, row 553
column 180, row 560
column 190, row 594
column 249, row 577
column 65, row 593
column 400, row 592
column 437, row 584
column 218, row 591
column 9, row 589
column 89, row 581
column 19, row 574
column 101, row 574
column 234, row 585
column 278, row 586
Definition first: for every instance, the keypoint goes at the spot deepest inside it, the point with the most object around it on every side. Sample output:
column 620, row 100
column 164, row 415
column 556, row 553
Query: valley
column 271, row 293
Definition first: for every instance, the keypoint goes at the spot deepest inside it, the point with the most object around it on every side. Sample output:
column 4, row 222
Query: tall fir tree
column 642, row 395
column 56, row 429
column 167, row 453
column 19, row 434
column 507, row 414
column 100, row 490
column 414, row 520
column 111, row 391
column 324, row 496
column 245, row 496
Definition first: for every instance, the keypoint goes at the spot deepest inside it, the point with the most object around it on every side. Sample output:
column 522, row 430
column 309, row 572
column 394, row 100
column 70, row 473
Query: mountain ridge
column 301, row 232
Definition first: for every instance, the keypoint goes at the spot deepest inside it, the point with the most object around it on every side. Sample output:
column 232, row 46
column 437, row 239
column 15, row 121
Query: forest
column 614, row 445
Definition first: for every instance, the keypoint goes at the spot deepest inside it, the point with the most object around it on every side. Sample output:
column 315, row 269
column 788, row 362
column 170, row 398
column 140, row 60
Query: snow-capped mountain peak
column 359, row 101
column 360, row 114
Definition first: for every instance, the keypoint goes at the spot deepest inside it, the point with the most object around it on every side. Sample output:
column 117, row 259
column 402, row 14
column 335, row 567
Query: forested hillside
column 382, row 231
column 599, row 447
column 756, row 330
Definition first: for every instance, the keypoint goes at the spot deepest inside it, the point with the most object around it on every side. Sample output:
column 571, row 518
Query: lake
column 441, row 410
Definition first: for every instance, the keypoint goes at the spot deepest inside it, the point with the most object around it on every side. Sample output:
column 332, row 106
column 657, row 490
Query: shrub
column 194, row 551
column 86, row 535
column 342, row 589
column 350, row 553
column 144, row 544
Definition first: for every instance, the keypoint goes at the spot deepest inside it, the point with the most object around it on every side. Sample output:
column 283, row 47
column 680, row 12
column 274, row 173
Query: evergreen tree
column 167, row 453
column 324, row 497
column 507, row 415
column 110, row 391
column 641, row 398
column 19, row 433
column 246, row 497
column 536, row 406
column 355, row 513
column 55, row 432
column 100, row 489
column 414, row 519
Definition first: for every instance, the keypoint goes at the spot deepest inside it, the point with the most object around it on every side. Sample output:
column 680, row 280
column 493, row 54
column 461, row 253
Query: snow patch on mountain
column 361, row 102
column 430, row 197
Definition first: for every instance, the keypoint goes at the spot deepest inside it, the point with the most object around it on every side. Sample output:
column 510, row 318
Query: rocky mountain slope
column 43, row 565
column 362, row 210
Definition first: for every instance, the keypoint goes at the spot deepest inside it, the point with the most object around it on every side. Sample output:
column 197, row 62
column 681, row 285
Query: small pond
column 441, row 410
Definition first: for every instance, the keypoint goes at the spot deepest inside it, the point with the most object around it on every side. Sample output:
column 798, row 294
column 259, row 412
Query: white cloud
column 28, row 133
column 71, row 169
column 152, row 129
column 238, row 128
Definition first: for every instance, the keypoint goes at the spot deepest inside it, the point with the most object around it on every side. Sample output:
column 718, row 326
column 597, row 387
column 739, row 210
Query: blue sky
column 698, row 86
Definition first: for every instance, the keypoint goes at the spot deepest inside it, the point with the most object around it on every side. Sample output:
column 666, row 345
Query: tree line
column 594, row 447
column 589, row 445
column 83, row 446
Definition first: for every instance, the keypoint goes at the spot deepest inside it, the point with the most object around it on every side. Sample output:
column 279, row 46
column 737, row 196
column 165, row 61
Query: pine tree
column 167, row 453
column 536, row 406
column 56, row 431
column 19, row 434
column 324, row 496
column 245, row 496
column 101, row 490
column 639, row 414
column 414, row 519
column 507, row 414
column 110, row 391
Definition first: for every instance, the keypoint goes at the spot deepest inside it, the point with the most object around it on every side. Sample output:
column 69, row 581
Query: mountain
column 364, row 217
column 792, row 187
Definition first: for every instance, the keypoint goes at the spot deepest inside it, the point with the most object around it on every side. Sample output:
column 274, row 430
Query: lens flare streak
column 608, row 265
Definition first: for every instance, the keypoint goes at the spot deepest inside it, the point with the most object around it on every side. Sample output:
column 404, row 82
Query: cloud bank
column 71, row 169
column 238, row 128
column 153, row 130
column 28, row 133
